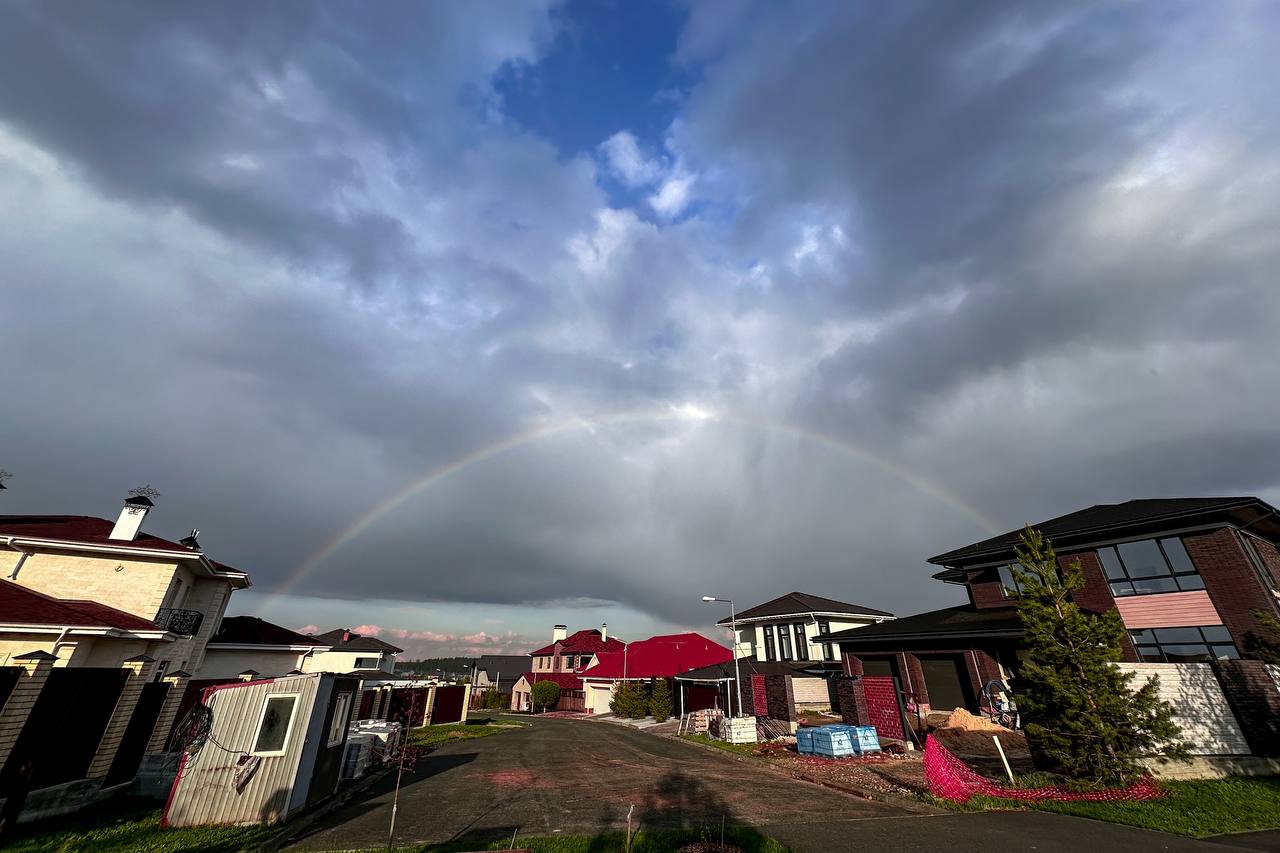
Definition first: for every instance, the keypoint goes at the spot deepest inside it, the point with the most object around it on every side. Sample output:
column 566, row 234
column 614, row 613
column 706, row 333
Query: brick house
column 108, row 621
column 664, row 656
column 562, row 661
column 1187, row 575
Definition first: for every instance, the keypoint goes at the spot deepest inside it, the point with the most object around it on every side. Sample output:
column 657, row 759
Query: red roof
column 584, row 642
column 566, row 680
column 22, row 606
column 88, row 530
column 660, row 657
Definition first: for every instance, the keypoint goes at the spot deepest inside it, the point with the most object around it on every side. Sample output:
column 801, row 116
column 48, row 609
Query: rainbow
column 683, row 413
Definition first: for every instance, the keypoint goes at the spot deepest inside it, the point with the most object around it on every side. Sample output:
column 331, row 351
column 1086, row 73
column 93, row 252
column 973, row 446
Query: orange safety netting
column 951, row 779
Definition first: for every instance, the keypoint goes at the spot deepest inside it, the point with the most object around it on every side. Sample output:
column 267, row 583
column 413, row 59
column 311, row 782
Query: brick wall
column 1232, row 582
column 1270, row 555
column 1254, row 696
column 780, row 698
column 985, row 589
column 853, row 701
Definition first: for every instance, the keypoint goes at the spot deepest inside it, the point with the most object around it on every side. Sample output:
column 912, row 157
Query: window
column 768, row 643
column 1253, row 548
column 784, row 642
column 338, row 725
column 273, row 728
column 1010, row 586
column 1184, row 645
column 828, row 652
column 1148, row 567
column 366, row 663
column 802, row 644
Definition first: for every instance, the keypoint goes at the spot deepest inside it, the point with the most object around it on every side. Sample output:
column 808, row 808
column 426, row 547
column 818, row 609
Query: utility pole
column 733, row 626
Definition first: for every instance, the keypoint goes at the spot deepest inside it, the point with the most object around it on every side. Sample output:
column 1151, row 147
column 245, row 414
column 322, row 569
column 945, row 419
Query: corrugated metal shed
column 205, row 790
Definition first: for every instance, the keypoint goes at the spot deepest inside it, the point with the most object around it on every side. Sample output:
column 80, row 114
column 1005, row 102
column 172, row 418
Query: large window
column 768, row 643
column 273, row 727
column 784, row 641
column 802, row 643
column 1010, row 586
column 1184, row 645
column 828, row 653
column 1150, row 566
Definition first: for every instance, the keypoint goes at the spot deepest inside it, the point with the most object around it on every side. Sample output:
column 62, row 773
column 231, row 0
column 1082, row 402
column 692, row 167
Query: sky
column 451, row 322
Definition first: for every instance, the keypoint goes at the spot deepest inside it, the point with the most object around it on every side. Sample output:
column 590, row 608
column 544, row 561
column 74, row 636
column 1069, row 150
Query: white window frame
column 262, row 718
column 341, row 713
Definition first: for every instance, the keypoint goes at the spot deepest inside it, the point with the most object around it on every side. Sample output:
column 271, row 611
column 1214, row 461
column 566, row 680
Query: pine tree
column 1083, row 717
column 660, row 701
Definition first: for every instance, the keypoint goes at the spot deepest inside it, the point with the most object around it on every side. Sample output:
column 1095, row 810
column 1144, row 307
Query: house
column 663, row 656
column 248, row 644
column 103, row 623
column 1189, row 577
column 561, row 661
column 496, row 672
column 352, row 652
column 274, row 746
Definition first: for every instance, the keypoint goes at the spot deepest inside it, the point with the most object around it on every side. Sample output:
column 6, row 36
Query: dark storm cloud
column 284, row 261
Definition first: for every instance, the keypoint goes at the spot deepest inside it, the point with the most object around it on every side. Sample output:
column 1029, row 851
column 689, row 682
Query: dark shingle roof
column 803, row 602
column 355, row 642
column 1102, row 519
column 22, row 606
column 751, row 666
column 250, row 630
column 950, row 622
column 508, row 667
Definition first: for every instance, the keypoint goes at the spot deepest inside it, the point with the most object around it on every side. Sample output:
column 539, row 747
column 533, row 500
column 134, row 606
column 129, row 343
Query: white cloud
column 673, row 196
column 630, row 164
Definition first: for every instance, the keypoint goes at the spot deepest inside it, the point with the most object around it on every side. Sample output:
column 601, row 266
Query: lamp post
column 733, row 626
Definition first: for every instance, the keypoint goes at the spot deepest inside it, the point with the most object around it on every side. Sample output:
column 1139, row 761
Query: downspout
column 62, row 638
column 22, row 557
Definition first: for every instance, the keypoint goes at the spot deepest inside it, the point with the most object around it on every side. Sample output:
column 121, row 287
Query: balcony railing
column 179, row 621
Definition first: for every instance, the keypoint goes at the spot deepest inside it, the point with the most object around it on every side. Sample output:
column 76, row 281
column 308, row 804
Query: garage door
column 599, row 697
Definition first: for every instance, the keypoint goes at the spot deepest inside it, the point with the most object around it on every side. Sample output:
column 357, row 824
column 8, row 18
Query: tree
column 660, row 701
column 630, row 699
column 1083, row 717
column 546, row 694
column 1265, row 647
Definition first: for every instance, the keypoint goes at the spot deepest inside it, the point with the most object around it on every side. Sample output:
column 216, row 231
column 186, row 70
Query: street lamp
column 733, row 626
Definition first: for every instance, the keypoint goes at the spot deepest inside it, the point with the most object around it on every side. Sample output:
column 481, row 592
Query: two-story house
column 100, row 624
column 1189, row 577
column 563, row 661
column 349, row 652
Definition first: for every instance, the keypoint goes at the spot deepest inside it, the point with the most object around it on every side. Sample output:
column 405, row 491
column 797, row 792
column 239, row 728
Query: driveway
column 578, row 777
column 581, row 777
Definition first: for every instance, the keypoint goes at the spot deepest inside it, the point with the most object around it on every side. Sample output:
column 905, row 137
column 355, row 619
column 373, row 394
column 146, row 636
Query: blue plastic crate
column 863, row 738
column 832, row 743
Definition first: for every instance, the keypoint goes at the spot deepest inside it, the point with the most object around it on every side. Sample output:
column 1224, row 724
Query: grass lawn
column 479, row 727
column 739, row 748
column 1200, row 808
column 131, row 826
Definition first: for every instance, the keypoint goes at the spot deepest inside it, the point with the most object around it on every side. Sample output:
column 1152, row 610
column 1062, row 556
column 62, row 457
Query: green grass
column 131, row 826
column 480, row 727
column 739, row 748
column 1199, row 808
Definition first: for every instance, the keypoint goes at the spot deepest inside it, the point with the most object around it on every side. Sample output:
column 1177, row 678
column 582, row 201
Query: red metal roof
column 22, row 606
column 88, row 530
column 660, row 657
column 566, row 680
column 586, row 641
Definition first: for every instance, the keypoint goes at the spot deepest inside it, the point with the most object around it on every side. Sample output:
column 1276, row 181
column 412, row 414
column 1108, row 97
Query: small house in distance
column 563, row 662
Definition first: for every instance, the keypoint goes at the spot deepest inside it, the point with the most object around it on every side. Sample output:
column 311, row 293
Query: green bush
column 630, row 699
column 495, row 701
column 660, row 700
column 546, row 694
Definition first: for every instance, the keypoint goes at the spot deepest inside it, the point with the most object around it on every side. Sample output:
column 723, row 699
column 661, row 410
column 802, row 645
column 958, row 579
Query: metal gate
column 138, row 732
column 883, row 708
column 449, row 704
column 64, row 727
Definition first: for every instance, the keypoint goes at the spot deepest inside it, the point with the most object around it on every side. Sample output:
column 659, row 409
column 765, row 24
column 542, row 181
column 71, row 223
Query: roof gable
column 586, row 641
column 1103, row 520
column 803, row 602
column 354, row 642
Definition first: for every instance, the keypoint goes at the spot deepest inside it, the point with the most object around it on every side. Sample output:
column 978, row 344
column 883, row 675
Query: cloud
column 368, row 630
column 924, row 264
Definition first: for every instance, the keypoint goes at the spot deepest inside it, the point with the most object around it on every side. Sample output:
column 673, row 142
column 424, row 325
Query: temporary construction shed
column 261, row 750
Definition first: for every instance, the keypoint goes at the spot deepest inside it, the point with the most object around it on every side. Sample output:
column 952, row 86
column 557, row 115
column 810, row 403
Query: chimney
column 559, row 632
column 346, row 635
column 130, row 520
column 604, row 631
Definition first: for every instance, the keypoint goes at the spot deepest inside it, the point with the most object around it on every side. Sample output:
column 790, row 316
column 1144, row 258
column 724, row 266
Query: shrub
column 660, row 700
column 630, row 699
column 546, row 694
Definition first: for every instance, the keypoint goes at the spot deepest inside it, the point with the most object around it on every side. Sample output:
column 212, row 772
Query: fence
column 1200, row 707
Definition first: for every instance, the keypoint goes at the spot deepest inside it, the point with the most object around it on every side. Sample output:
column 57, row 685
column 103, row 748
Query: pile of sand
column 962, row 720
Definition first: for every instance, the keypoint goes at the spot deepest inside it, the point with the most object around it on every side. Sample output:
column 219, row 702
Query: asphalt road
column 581, row 777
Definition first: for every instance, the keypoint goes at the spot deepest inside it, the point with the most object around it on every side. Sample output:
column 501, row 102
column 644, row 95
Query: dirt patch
column 519, row 779
column 970, row 738
column 877, row 773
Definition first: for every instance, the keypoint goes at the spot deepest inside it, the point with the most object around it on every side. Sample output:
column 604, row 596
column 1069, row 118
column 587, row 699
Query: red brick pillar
column 853, row 700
